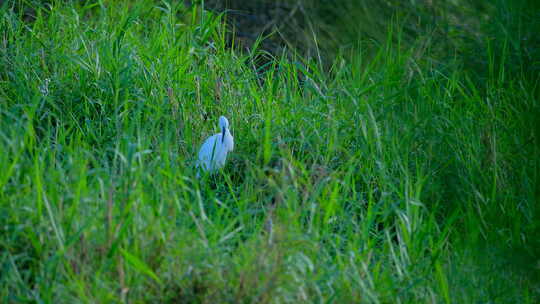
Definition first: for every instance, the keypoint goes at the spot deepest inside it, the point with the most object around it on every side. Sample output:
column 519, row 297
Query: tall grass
column 380, row 181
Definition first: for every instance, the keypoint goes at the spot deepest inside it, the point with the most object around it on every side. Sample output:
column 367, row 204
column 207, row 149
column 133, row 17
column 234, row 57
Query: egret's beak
column 222, row 135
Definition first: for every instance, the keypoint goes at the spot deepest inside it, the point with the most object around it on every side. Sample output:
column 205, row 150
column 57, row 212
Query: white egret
column 213, row 152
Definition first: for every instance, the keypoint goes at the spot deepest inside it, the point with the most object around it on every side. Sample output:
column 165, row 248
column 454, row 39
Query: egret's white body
column 213, row 152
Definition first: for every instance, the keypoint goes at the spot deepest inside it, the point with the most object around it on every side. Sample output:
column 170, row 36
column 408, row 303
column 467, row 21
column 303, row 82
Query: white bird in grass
column 213, row 152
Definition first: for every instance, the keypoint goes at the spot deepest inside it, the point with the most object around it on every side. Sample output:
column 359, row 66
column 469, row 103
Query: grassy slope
column 397, row 181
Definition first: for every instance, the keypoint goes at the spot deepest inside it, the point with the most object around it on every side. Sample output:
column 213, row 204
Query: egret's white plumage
column 213, row 152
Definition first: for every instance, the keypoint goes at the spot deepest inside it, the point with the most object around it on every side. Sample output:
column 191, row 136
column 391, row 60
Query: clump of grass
column 397, row 181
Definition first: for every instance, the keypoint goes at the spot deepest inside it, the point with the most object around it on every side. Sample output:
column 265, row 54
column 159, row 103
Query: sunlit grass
column 381, row 181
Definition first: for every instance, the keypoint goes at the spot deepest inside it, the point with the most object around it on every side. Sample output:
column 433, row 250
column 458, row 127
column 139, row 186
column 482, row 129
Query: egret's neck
column 223, row 134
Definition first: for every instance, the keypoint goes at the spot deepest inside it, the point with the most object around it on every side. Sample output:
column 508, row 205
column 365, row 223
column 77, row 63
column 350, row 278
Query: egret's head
column 223, row 123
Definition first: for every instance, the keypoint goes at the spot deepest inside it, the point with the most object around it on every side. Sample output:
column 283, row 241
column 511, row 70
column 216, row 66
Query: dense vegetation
column 394, row 172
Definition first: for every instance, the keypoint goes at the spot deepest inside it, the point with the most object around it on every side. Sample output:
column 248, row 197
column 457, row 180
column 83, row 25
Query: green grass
column 388, row 180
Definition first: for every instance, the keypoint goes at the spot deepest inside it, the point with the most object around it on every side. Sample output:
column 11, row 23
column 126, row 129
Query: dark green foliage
column 390, row 173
